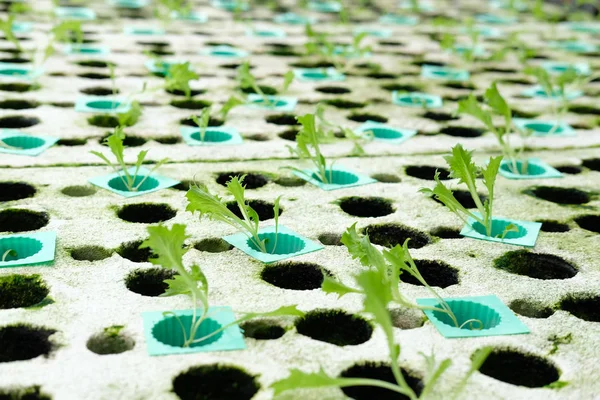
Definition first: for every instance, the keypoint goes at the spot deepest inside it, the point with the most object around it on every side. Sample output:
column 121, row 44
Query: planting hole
column 264, row 209
column 330, row 239
column 334, row 326
column 535, row 265
column 344, row 104
column 435, row 273
column 190, row 104
column 439, row 116
column 560, row 195
column 290, row 181
column 24, row 142
column 215, row 381
column 132, row 252
column 289, row 134
column 569, row 169
column 530, row 308
column 280, row 243
column 18, row 291
column 282, row 119
column 514, row 367
column 18, row 104
column 213, row 245
column 468, row 310
column 147, row 183
column 390, row 235
column 427, row 172
column 584, row 306
column 99, row 91
column 212, row 135
column 103, row 343
column 333, row 90
column 78, row 191
column 168, row 331
column 129, row 141
column 17, row 122
column 366, row 206
column 532, row 169
column 380, row 372
column 10, row 191
column 294, row 275
column 386, row 178
column 103, row 121
column 367, row 117
column 72, row 142
column 589, row 222
column 23, row 342
column 498, row 227
column 444, row 232
column 90, row 253
column 148, row 282
column 262, row 329
column 592, row 163
column 94, row 75
column 460, row 131
column 17, row 87
column 17, row 220
column 251, row 181
column 146, row 213
column 553, row 226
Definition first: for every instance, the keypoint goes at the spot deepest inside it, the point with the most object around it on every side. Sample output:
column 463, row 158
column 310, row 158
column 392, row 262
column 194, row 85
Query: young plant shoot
column 213, row 207
column 247, row 81
column 464, row 169
column 517, row 164
column 169, row 247
column 319, row 45
column 7, row 253
column 131, row 181
column 379, row 286
column 202, row 122
column 179, row 77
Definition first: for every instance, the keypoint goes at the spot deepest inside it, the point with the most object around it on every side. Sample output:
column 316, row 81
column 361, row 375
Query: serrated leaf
column 331, row 285
column 471, row 107
column 168, row 245
column 176, row 286
column 305, row 380
column 498, row 104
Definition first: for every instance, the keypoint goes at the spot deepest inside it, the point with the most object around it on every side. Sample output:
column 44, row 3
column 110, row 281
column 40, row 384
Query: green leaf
column 557, row 385
column 176, row 286
column 498, row 104
column 377, row 297
column 132, row 116
column 280, row 312
column 231, row 103
column 288, row 78
column 477, row 361
column 113, row 331
column 471, row 107
column 331, row 285
column 179, row 77
column 305, row 380
column 168, row 245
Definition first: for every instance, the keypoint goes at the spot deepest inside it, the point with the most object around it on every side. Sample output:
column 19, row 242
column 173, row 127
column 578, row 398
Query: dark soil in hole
column 78, row 191
column 234, row 66
column 461, row 131
column 289, row 134
column 148, row 282
column 146, row 213
column 330, row 239
column 406, row 318
column 94, row 64
column 570, row 169
column 535, row 265
column 400, row 87
column 190, row 104
column 103, row 121
column 333, row 90
column 90, row 253
column 464, row 198
column 344, row 104
column 264, row 209
column 290, row 181
column 213, row 245
column 177, row 92
column 103, row 343
column 514, row 367
column 523, row 114
column 251, row 181
column 262, row 329
column 184, row 185
column 94, row 75
column 589, row 222
column 17, row 87
column 584, row 109
column 132, row 252
column 435, row 273
column 585, row 306
column 168, row 140
column 211, row 122
column 29, row 393
column 444, row 232
column 592, row 163
column 515, row 81
column 16, row 104
column 390, row 43
column 367, row 117
column 18, row 291
column 15, row 60
column 257, row 137
column 10, row 191
column 312, row 64
column 427, row 172
column 215, row 382
column 459, row 85
column 335, row 326
column 389, row 235
column 530, row 308
column 18, row 220
column 386, row 178
column 553, row 226
column 153, row 43
column 268, row 90
column 366, row 206
column 18, row 121
column 283, row 52
column 282, row 119
column 294, row 275
column 129, row 141
column 499, row 70
column 381, row 75
column 381, row 372
column 98, row 91
column 72, row 142
column 560, row 195
column 161, row 52
column 439, row 116
column 420, row 63
column 24, row 342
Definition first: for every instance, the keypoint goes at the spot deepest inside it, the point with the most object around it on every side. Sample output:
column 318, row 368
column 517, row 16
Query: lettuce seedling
column 320, row 45
column 165, row 9
column 179, row 77
column 247, row 80
column 464, row 169
column 213, row 207
column 6, row 28
column 169, row 246
column 379, row 286
column 329, row 132
column 232, row 102
column 131, row 181
column 499, row 106
column 558, row 85
column 202, row 122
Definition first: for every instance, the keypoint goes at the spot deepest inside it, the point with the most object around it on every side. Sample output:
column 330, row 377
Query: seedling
column 499, row 106
column 9, row 252
column 6, row 28
column 320, row 45
column 246, row 80
column 464, row 169
column 134, row 113
column 213, row 207
column 168, row 245
column 179, row 77
column 166, row 9
column 202, row 122
column 379, row 286
column 449, row 42
column 232, row 102
column 113, row 331
column 115, row 143
column 328, row 132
